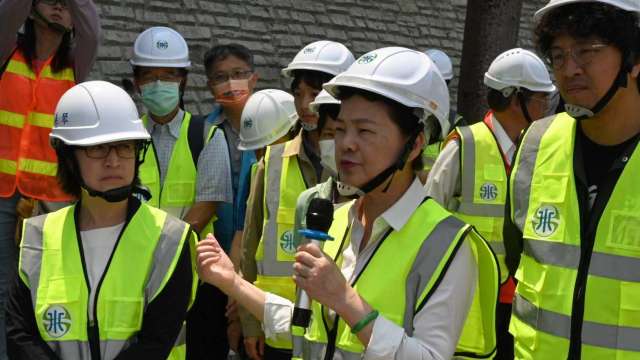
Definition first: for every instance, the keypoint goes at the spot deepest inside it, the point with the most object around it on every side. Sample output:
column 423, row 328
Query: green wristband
column 364, row 321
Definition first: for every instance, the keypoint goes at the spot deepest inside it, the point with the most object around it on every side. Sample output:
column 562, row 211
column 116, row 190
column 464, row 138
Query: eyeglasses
column 220, row 78
column 62, row 3
column 124, row 150
column 582, row 54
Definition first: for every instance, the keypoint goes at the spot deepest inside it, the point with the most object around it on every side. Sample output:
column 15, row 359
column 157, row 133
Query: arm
column 87, row 32
column 250, row 238
column 13, row 14
column 213, row 183
column 443, row 183
column 236, row 250
column 200, row 213
column 165, row 315
column 23, row 338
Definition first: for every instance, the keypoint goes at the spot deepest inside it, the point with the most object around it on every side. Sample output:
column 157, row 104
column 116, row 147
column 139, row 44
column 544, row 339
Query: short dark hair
column 313, row 78
column 582, row 20
column 498, row 102
column 221, row 52
column 68, row 174
column 403, row 116
column 327, row 110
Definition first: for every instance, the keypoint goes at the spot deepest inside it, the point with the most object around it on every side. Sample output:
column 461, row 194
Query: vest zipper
column 93, row 327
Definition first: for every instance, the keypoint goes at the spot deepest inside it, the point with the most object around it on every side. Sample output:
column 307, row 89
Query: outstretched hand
column 214, row 266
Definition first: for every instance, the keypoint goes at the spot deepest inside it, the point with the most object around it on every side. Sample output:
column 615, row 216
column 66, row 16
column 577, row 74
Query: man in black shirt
column 573, row 239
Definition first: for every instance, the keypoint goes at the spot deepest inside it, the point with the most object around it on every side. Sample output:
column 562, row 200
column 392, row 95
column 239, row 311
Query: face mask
column 307, row 126
column 160, row 97
column 328, row 156
column 232, row 94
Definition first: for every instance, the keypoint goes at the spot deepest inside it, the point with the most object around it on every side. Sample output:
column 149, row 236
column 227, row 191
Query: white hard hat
column 323, row 98
column 518, row 68
column 442, row 61
column 403, row 75
column 96, row 112
column 160, row 47
column 325, row 56
column 267, row 116
column 628, row 5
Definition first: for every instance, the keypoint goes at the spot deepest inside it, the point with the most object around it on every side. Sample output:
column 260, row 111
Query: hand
column 319, row 276
column 254, row 347
column 232, row 310
column 214, row 266
column 234, row 334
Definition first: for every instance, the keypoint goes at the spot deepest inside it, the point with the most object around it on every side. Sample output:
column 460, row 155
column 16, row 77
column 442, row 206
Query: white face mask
column 328, row 156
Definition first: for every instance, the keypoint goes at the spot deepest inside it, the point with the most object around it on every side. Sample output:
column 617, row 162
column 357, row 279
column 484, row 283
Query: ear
column 418, row 146
column 635, row 70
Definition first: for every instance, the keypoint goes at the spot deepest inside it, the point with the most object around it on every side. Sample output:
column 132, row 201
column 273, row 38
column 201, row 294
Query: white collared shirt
column 438, row 324
column 444, row 183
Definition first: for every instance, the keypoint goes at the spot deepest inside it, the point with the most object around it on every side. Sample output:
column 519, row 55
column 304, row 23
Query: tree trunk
column 491, row 27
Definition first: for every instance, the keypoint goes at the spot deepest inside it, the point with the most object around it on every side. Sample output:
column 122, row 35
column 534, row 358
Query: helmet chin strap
column 582, row 113
column 113, row 195
column 388, row 173
column 523, row 106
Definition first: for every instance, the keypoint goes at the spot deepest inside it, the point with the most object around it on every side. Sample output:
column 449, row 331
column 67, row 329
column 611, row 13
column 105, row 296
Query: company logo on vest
column 488, row 191
column 56, row 321
column 287, row 243
column 546, row 220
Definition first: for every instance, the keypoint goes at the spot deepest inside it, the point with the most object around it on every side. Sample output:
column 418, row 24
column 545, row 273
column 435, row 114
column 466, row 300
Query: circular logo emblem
column 286, row 242
column 309, row 50
column 56, row 321
column 367, row 58
column 162, row 44
column 488, row 191
column 546, row 220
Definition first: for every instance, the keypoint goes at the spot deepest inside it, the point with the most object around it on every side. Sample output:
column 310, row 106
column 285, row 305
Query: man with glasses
column 187, row 167
column 469, row 177
column 573, row 239
column 231, row 80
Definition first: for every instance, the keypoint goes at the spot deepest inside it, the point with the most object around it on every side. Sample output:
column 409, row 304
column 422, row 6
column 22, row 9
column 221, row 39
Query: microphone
column 319, row 218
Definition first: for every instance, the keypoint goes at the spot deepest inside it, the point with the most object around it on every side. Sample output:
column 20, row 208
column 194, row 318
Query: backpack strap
column 195, row 137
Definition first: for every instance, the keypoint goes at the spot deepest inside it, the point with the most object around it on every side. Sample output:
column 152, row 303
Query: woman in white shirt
column 399, row 278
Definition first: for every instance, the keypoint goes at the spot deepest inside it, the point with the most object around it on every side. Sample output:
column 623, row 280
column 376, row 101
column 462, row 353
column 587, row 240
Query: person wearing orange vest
column 36, row 68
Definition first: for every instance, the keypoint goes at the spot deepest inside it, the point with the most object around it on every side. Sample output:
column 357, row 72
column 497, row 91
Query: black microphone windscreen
column 320, row 214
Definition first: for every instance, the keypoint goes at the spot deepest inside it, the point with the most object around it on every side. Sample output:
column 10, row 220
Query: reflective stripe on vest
column 51, row 266
column 27, row 104
column 483, row 187
column 283, row 183
column 545, row 208
column 178, row 192
column 422, row 264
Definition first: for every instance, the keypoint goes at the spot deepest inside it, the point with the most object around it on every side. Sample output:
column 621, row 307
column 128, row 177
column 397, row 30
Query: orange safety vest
column 27, row 106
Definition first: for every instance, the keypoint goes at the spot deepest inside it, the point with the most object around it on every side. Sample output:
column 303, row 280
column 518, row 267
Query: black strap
column 195, row 137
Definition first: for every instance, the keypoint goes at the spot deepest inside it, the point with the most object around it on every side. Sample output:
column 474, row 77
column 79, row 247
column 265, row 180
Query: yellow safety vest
column 545, row 208
column 430, row 154
column 483, row 187
column 420, row 252
column 52, row 266
column 178, row 193
column 283, row 183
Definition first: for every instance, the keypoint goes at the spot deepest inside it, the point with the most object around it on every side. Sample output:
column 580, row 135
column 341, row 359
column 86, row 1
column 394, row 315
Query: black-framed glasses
column 62, row 3
column 582, row 54
column 220, row 78
column 125, row 150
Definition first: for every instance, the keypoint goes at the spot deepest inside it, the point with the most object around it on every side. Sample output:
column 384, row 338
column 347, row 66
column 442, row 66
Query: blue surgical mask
column 160, row 97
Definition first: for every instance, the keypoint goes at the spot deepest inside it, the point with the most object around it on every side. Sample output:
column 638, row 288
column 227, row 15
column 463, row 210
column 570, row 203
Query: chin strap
column 523, row 106
column 113, row 195
column 582, row 113
column 353, row 192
